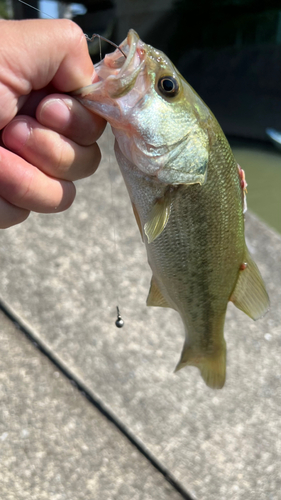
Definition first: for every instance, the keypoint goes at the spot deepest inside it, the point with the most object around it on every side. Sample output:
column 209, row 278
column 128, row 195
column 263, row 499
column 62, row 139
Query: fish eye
column 168, row 86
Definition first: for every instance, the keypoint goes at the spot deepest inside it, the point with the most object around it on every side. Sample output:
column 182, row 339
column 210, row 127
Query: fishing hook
column 105, row 40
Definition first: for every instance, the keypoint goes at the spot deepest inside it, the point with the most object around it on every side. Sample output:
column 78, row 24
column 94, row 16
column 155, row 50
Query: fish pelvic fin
column 158, row 217
column 155, row 297
column 212, row 366
column 250, row 295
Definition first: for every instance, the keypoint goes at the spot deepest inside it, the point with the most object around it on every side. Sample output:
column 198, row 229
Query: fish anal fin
column 137, row 217
column 211, row 365
column 158, row 218
column 155, row 297
column 250, row 295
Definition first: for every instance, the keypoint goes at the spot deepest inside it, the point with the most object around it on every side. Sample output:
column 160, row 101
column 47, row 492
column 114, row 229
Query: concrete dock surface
column 97, row 413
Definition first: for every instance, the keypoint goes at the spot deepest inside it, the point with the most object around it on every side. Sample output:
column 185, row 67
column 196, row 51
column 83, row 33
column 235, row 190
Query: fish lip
column 132, row 42
column 129, row 46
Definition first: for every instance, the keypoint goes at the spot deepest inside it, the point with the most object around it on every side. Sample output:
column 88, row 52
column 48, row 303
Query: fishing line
column 89, row 39
column 119, row 321
column 100, row 48
column 35, row 8
column 95, row 35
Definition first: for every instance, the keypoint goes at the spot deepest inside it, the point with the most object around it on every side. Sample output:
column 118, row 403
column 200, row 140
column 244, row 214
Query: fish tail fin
column 213, row 369
column 212, row 366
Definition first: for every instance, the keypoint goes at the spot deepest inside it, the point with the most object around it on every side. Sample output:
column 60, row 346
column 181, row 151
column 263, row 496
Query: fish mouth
column 116, row 74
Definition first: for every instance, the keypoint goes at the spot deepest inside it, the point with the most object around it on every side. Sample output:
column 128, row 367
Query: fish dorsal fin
column 155, row 297
column 250, row 294
column 158, row 217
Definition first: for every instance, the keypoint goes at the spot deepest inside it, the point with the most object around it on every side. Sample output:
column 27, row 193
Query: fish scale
column 187, row 194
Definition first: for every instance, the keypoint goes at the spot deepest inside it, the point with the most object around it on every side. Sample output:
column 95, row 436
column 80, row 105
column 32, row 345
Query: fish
column 188, row 196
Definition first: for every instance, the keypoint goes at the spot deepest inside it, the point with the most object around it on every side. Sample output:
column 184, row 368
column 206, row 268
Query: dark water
column 263, row 175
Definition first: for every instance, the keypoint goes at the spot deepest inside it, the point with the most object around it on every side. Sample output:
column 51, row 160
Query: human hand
column 52, row 142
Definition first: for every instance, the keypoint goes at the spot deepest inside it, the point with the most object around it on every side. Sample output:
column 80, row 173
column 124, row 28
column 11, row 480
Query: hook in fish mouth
column 100, row 37
column 117, row 68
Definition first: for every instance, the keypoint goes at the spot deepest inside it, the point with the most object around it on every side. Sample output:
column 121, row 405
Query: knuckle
column 74, row 33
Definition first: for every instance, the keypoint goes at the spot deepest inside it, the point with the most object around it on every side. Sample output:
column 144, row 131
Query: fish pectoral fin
column 158, row 218
column 212, row 366
column 137, row 217
column 249, row 293
column 155, row 297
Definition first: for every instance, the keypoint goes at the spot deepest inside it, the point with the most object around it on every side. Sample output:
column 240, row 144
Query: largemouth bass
column 188, row 197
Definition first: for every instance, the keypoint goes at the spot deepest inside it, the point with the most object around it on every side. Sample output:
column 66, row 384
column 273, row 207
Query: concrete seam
column 92, row 397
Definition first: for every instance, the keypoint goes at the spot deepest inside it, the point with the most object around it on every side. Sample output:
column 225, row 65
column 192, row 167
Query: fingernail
column 55, row 111
column 16, row 134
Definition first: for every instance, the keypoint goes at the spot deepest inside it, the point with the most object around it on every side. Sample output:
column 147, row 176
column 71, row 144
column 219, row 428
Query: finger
column 68, row 117
column 11, row 215
column 31, row 102
column 49, row 151
column 46, row 51
column 25, row 186
column 56, row 50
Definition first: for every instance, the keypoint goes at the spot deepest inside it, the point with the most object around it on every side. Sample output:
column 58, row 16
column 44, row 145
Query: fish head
column 160, row 123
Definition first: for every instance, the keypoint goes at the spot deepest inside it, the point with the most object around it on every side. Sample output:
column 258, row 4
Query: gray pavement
column 54, row 444
column 64, row 274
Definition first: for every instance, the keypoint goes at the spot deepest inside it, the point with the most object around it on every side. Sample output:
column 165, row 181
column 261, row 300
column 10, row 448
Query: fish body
column 188, row 197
